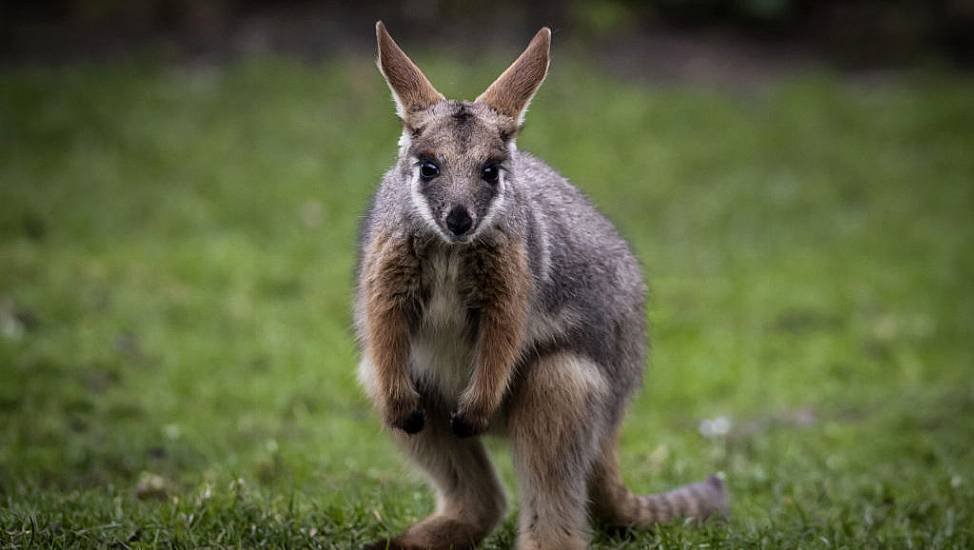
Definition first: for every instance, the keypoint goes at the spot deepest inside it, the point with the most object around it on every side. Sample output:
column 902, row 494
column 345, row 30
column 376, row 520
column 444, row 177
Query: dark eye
column 490, row 173
column 428, row 170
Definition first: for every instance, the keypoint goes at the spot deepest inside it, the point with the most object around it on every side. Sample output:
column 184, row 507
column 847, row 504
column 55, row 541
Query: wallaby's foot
column 434, row 533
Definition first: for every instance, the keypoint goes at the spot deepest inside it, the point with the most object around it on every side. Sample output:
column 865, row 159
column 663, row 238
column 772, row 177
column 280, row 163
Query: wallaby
column 493, row 296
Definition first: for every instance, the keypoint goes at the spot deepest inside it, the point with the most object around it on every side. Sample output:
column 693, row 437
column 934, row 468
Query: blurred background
column 180, row 186
column 738, row 39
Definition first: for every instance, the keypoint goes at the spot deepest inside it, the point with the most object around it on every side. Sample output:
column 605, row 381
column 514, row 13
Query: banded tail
column 614, row 504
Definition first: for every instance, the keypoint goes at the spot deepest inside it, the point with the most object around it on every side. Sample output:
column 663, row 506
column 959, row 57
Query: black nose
column 458, row 221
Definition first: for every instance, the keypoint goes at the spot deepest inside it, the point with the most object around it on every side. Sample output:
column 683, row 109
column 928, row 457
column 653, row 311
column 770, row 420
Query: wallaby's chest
column 442, row 341
column 444, row 300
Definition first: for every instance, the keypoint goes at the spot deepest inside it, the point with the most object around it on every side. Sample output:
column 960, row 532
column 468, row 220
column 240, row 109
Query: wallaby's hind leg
column 553, row 425
column 614, row 505
column 469, row 498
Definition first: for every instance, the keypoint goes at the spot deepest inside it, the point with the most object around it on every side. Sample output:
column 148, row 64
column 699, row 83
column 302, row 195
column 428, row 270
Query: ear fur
column 512, row 91
column 411, row 90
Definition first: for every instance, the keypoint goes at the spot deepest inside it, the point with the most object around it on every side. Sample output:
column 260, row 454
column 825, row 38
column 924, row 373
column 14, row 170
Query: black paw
column 463, row 426
column 413, row 422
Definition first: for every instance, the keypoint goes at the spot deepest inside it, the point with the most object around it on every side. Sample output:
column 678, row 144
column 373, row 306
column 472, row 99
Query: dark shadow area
column 698, row 40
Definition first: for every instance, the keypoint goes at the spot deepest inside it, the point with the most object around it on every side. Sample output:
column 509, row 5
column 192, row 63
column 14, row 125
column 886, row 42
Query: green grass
column 176, row 249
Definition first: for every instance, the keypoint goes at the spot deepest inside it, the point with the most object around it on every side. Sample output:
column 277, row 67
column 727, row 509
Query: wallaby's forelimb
column 389, row 279
column 502, row 300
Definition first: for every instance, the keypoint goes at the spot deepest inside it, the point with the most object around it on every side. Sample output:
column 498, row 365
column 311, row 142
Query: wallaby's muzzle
column 459, row 221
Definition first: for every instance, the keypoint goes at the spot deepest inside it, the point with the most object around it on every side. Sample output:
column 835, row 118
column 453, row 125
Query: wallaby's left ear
column 514, row 88
column 410, row 87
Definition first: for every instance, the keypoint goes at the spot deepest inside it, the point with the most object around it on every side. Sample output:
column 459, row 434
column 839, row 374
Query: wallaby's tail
column 615, row 505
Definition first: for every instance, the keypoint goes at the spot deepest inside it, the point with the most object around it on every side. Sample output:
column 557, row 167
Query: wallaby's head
column 456, row 155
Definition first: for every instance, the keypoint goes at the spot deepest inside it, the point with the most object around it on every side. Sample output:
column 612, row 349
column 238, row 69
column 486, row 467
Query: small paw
column 411, row 423
column 467, row 425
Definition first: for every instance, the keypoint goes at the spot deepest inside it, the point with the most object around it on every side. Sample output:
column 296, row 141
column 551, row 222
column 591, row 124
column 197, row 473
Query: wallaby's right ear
column 410, row 88
column 512, row 91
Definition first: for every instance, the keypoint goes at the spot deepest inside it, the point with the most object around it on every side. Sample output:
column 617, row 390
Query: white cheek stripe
column 495, row 206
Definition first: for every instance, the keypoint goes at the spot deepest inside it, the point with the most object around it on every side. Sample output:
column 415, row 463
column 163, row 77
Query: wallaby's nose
column 458, row 221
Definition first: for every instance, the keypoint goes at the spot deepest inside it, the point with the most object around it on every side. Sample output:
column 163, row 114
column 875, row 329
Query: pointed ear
column 410, row 88
column 514, row 88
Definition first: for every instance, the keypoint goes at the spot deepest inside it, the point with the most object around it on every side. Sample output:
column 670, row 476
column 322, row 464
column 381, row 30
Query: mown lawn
column 176, row 249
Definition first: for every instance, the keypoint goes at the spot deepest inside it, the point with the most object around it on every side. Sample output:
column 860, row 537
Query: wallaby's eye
column 428, row 170
column 490, row 173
